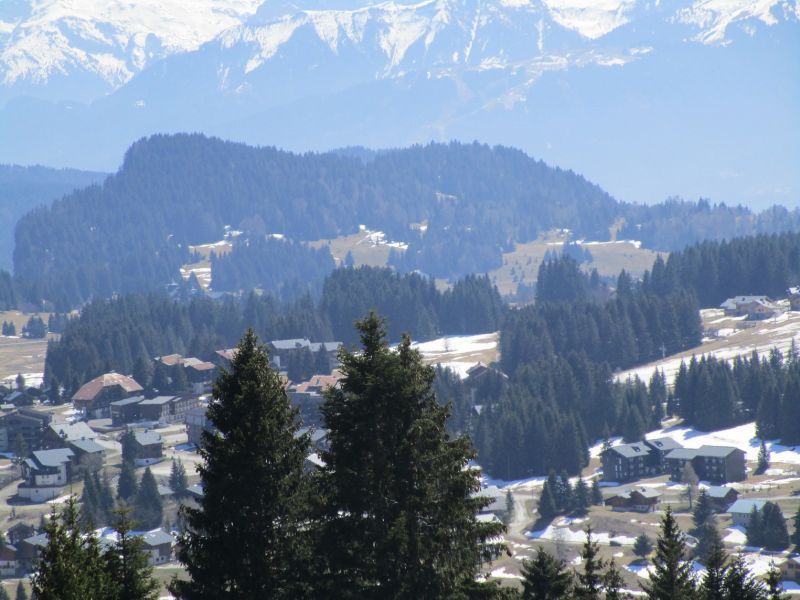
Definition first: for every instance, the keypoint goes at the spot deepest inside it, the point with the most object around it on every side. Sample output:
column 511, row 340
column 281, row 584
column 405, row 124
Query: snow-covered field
column 31, row 380
column 743, row 436
column 460, row 352
column 762, row 337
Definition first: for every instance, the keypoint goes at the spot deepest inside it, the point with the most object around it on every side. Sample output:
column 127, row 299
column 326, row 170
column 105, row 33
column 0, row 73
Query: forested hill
column 458, row 208
column 132, row 233
column 24, row 188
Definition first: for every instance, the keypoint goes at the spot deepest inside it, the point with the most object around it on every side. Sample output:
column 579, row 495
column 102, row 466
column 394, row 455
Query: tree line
column 120, row 333
column 714, row 394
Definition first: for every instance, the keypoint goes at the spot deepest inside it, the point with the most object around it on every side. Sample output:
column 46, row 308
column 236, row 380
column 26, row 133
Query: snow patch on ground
column 743, row 436
column 502, row 574
column 35, row 380
column 736, row 535
column 460, row 352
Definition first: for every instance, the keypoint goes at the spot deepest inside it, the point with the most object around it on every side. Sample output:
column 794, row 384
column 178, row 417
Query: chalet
column 741, row 509
column 200, row 374
column 793, row 293
column 479, row 375
column 224, row 357
column 627, row 462
column 94, row 397
column 46, row 474
column 721, row 497
column 167, row 409
column 171, row 360
column 196, row 423
column 9, row 565
column 281, row 350
column 637, row 499
column 149, row 448
column 28, row 551
column 24, row 424
column 89, row 455
column 125, row 411
column 660, row 447
column 59, row 435
column 157, row 545
column 716, row 464
column 308, row 396
column 790, row 569
column 753, row 307
column 498, row 504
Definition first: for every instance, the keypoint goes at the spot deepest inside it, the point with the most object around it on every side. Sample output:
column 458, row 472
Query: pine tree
column 246, row 540
column 671, row 578
column 148, row 509
column 544, row 577
column 126, row 564
column 547, row 506
column 590, row 579
column 707, row 538
column 773, row 583
column 796, row 534
column 69, row 566
column 127, row 485
column 128, row 443
column 755, row 528
column 702, row 510
column 613, row 582
column 739, row 584
column 581, row 497
column 712, row 586
column 642, row 546
column 400, row 511
column 597, row 494
column 4, row 593
column 21, row 593
column 763, row 458
column 775, row 534
column 89, row 502
column 177, row 478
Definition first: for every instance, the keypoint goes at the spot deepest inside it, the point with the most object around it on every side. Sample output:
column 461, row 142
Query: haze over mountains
column 608, row 88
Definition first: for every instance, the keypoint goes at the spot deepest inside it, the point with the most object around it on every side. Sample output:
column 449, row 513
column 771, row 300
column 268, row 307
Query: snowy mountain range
column 609, row 87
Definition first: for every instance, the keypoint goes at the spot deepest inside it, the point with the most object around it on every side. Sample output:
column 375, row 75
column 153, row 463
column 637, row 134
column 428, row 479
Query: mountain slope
column 607, row 87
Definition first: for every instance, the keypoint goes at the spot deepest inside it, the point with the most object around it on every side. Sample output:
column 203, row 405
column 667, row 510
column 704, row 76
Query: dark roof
column 146, row 438
column 632, row 450
column 157, row 401
column 157, row 537
column 290, row 344
column 89, row 391
column 88, row 446
column 719, row 491
column 717, row 451
column 53, row 458
column 743, row 506
column 126, row 401
column 664, row 444
column 682, row 453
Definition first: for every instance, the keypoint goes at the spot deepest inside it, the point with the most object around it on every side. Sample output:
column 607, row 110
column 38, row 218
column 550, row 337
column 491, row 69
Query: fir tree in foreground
column 544, row 577
column 671, row 578
column 400, row 506
column 245, row 540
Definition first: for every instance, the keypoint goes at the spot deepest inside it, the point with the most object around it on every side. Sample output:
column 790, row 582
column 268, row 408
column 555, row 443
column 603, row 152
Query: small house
column 9, row 565
column 637, row 499
column 157, row 545
column 741, row 509
column 790, row 569
column 752, row 307
column 46, row 474
column 149, row 448
column 721, row 497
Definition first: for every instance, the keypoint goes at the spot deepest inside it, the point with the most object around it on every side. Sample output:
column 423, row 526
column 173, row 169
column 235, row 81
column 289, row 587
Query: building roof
column 87, row 446
column 127, row 401
column 648, row 493
column 631, row 450
column 89, row 391
column 198, row 365
column 682, row 454
column 317, row 383
column 157, row 537
column 157, row 401
column 719, row 491
column 717, row 451
column 664, row 444
column 170, row 360
column 228, row 354
column 73, row 431
column 293, row 344
column 327, row 346
column 745, row 507
column 147, row 438
column 52, row 458
column 38, row 540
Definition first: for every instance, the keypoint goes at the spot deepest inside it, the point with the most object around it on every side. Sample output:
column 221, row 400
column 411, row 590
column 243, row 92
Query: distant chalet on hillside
column 94, row 397
column 717, row 464
column 752, row 307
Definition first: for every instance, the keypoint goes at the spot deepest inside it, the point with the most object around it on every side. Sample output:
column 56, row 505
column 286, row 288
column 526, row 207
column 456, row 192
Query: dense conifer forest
column 113, row 334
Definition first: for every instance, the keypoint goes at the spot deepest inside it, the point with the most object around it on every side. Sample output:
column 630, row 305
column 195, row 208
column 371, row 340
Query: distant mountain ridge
column 592, row 85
